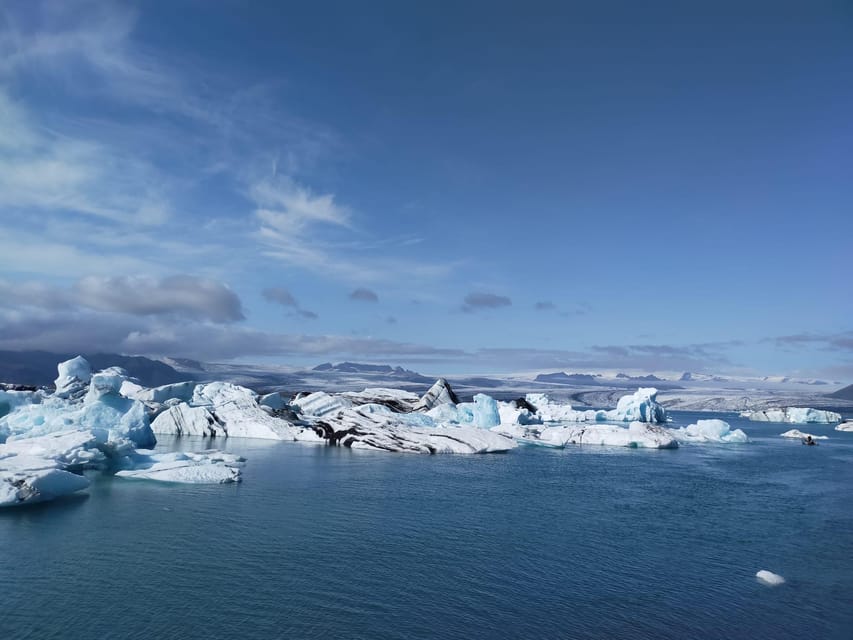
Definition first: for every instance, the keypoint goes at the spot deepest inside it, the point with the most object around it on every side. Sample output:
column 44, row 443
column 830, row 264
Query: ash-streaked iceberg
column 795, row 415
column 377, row 427
column 709, row 431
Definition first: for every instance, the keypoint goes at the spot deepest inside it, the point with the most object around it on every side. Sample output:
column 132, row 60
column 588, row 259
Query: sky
column 447, row 186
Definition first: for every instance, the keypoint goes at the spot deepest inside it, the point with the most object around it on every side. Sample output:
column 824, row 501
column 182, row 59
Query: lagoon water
column 317, row 542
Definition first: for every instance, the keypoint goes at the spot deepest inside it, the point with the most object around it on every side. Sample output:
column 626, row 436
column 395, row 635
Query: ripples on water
column 538, row 543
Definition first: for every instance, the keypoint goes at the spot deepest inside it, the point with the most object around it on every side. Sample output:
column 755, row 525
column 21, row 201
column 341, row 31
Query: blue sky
column 448, row 186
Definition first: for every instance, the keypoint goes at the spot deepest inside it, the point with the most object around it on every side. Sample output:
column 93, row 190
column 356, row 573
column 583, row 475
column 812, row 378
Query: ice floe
column 847, row 425
column 769, row 578
column 204, row 467
column 802, row 435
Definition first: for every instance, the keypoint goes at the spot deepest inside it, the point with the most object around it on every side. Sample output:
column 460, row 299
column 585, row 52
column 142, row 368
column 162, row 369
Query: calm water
column 332, row 543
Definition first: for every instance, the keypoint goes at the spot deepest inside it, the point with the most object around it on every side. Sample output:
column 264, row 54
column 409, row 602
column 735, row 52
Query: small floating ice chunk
column 769, row 578
column 802, row 435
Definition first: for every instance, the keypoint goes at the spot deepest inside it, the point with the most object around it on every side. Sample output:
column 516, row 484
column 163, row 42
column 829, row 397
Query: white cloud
column 176, row 296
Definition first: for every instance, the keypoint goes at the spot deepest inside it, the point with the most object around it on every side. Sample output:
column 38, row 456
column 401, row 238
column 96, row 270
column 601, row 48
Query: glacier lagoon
column 317, row 541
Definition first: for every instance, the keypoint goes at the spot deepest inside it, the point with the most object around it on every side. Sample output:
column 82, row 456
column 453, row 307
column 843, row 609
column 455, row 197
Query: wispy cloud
column 176, row 297
column 280, row 295
column 364, row 295
column 841, row 341
column 478, row 300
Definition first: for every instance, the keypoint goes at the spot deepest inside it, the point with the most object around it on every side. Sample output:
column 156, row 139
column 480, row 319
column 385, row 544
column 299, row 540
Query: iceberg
column 102, row 409
column 236, row 413
column 205, row 467
column 47, row 467
column 518, row 412
column 769, row 578
column 796, row 433
column 548, row 411
column 486, row 414
column 709, row 431
column 483, row 412
column 158, row 395
column 438, row 394
column 378, row 428
column 183, row 420
column 73, row 376
column 635, row 435
column 641, row 406
column 795, row 415
column 847, row 425
column 396, row 399
column 272, row 400
column 320, row 404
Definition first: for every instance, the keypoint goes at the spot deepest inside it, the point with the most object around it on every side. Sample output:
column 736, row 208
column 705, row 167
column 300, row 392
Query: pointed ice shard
column 438, row 394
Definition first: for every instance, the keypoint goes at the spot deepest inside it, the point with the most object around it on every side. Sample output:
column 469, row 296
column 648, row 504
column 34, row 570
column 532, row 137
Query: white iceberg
column 635, row 435
column 158, row 395
column 236, row 413
column 272, row 400
column 795, row 415
column 204, row 467
column 74, row 375
column 847, row 425
column 183, row 420
column 103, row 409
column 518, row 412
column 769, row 578
column 47, row 467
column 796, row 433
column 641, row 406
column 709, row 431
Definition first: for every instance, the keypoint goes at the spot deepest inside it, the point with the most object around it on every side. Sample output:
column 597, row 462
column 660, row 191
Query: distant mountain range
column 596, row 380
column 844, row 394
column 38, row 368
